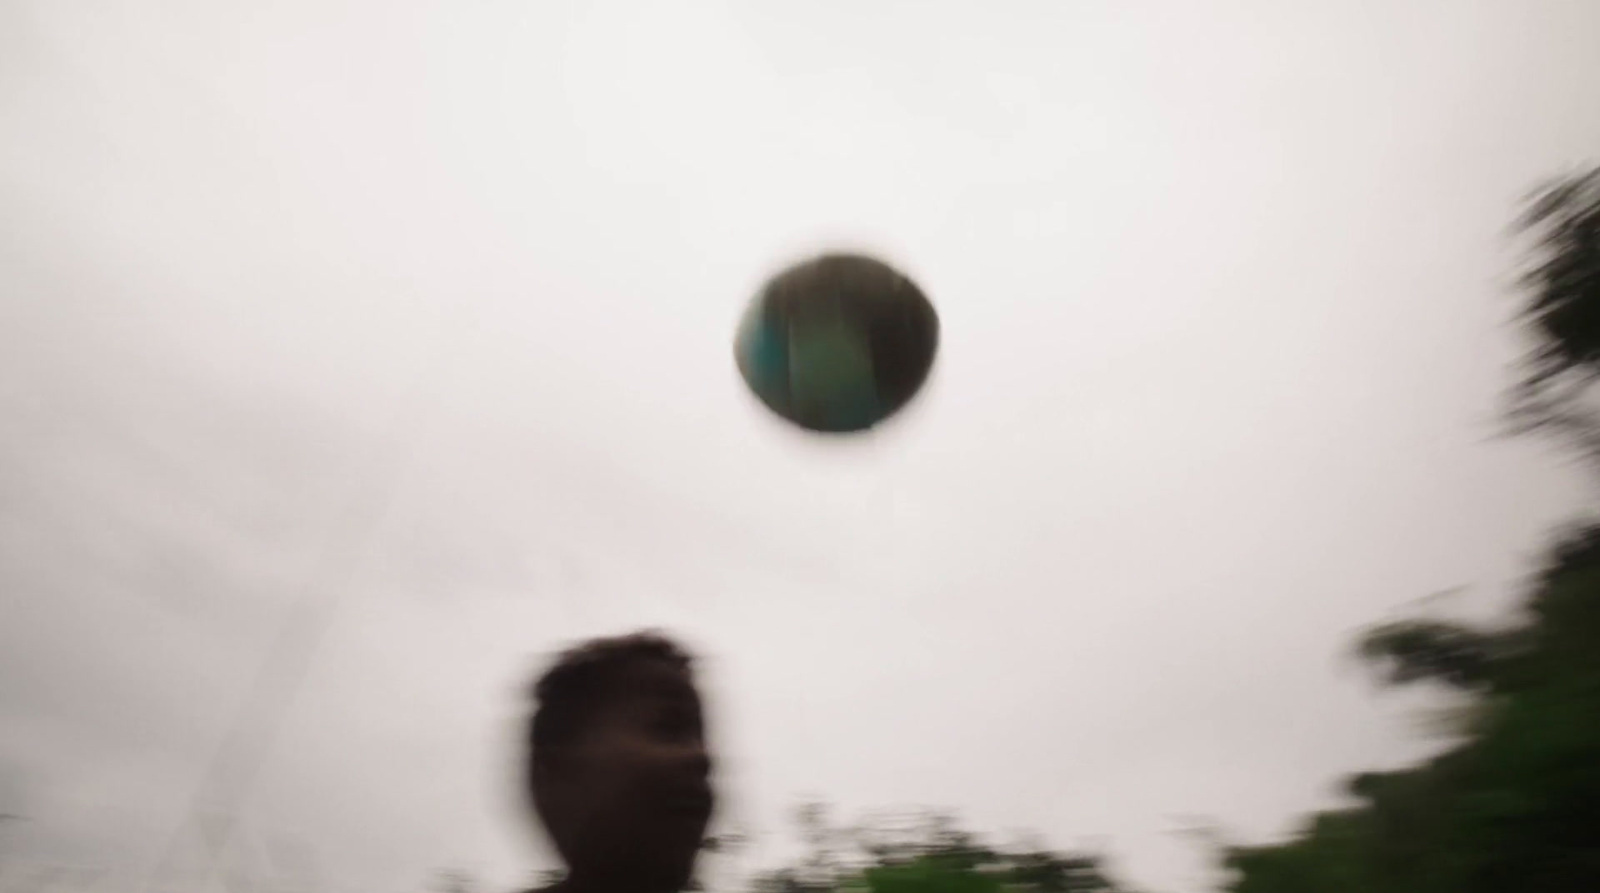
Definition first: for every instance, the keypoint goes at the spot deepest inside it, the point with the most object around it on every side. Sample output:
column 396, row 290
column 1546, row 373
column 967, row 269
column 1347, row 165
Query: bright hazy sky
column 427, row 308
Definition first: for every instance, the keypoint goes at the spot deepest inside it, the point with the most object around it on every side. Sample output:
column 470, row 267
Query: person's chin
column 676, row 878
column 680, row 846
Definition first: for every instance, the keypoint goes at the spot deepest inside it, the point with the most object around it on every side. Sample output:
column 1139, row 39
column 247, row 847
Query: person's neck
column 593, row 882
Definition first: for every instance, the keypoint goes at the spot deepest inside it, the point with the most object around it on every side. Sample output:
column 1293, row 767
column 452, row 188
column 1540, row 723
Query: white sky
column 1224, row 290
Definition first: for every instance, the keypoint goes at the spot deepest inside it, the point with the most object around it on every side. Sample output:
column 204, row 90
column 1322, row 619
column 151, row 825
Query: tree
column 1563, row 313
column 1514, row 802
column 927, row 852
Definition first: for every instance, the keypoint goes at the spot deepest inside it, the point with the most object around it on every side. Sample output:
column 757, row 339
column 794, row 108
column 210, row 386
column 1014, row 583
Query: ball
column 837, row 343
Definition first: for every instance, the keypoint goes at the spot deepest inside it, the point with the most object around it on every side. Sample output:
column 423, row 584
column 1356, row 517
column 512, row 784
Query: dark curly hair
column 584, row 676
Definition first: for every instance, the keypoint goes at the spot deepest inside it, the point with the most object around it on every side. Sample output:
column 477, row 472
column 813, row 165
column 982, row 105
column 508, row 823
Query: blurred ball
column 837, row 343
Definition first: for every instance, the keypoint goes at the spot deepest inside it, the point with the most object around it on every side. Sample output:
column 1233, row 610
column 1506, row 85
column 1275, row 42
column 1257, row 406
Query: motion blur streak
column 418, row 313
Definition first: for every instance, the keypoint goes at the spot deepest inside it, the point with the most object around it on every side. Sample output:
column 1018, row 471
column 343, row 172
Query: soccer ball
column 837, row 343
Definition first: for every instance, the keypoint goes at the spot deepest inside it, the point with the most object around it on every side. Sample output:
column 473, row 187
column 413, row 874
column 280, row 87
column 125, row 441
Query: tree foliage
column 926, row 853
column 1562, row 313
column 1514, row 804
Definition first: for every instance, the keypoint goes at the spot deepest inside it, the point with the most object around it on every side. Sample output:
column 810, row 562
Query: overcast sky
column 424, row 311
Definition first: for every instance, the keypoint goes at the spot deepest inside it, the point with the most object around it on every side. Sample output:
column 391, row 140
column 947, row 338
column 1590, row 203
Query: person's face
column 632, row 791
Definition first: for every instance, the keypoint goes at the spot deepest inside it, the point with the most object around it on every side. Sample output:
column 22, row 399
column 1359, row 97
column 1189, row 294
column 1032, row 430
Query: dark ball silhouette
column 837, row 343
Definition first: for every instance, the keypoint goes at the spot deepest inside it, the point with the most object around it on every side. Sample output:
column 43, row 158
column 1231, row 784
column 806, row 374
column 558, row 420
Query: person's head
column 617, row 763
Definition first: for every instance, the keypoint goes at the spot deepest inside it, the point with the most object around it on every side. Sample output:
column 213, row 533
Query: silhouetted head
column 617, row 764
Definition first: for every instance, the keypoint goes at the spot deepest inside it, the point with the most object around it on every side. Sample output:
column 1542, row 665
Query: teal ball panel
column 838, row 343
